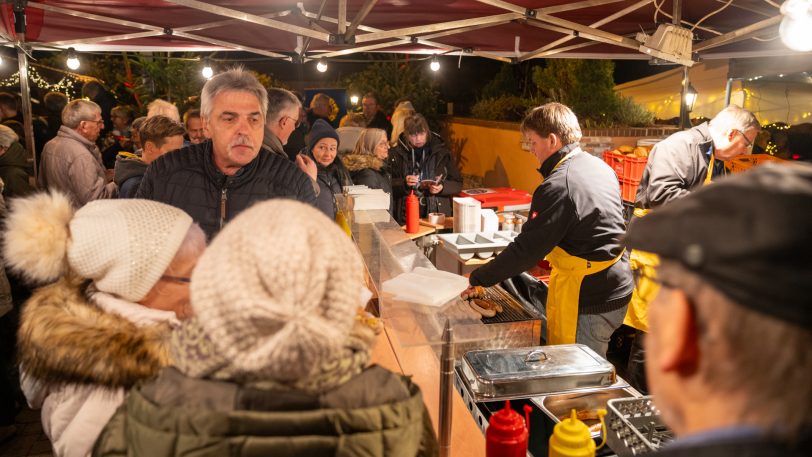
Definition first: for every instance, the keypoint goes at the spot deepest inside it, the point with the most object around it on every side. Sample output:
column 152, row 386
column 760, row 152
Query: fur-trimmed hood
column 64, row 338
column 355, row 162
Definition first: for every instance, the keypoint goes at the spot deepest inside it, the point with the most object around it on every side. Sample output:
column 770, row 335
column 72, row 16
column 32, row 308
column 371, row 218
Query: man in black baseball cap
column 728, row 352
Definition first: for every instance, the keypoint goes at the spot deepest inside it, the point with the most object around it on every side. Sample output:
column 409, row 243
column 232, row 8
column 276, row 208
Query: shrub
column 631, row 114
column 505, row 108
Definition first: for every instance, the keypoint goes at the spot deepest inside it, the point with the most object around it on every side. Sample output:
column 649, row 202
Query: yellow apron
column 645, row 264
column 565, row 288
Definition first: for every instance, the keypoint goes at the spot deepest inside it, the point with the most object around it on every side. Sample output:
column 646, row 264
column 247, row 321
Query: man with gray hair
column 71, row 162
column 676, row 166
column 284, row 117
column 728, row 357
column 215, row 180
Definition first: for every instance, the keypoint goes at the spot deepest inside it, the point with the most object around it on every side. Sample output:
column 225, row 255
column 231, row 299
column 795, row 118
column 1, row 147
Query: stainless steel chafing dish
column 557, row 406
column 498, row 374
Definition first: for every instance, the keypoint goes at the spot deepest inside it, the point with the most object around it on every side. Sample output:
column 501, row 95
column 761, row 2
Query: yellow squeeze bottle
column 571, row 438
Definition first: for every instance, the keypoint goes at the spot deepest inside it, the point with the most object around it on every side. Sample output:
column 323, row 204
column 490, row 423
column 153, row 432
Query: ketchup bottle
column 412, row 214
column 507, row 433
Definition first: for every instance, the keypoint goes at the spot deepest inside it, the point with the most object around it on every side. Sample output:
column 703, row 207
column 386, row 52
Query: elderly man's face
column 739, row 143
column 370, row 106
column 91, row 129
column 194, row 127
column 235, row 126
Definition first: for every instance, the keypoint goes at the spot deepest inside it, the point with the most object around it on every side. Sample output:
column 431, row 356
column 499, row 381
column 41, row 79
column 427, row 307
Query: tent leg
column 728, row 90
column 25, row 95
column 684, row 114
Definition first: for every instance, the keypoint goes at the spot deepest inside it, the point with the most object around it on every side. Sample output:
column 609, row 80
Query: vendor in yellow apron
column 565, row 288
column 645, row 265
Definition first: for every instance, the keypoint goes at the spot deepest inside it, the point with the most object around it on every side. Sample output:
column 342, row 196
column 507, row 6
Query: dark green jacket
column 15, row 170
column 377, row 413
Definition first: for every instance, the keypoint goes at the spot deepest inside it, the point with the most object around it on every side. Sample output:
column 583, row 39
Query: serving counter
column 412, row 338
column 410, row 341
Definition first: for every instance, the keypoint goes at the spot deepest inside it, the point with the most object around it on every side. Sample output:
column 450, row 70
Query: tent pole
column 728, row 90
column 684, row 114
column 25, row 89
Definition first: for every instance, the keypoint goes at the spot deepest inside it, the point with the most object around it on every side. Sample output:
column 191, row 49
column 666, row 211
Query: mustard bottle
column 571, row 438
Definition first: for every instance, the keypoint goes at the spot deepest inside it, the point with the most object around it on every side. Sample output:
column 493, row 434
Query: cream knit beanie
column 123, row 246
column 276, row 292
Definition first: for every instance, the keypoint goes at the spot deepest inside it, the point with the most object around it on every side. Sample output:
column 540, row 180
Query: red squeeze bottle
column 507, row 433
column 412, row 214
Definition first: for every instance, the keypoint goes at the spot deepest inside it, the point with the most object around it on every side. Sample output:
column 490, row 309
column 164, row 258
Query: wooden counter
column 422, row 364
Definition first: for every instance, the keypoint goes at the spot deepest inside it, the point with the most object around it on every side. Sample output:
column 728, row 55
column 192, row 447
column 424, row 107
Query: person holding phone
column 421, row 162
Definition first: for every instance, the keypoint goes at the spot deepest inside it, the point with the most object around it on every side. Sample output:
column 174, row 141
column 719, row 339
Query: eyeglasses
column 297, row 122
column 749, row 143
column 177, row 279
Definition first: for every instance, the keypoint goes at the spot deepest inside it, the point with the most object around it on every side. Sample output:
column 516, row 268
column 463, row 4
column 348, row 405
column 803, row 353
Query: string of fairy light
column 66, row 85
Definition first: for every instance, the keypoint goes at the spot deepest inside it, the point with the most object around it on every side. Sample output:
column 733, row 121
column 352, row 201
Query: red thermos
column 507, row 433
column 412, row 213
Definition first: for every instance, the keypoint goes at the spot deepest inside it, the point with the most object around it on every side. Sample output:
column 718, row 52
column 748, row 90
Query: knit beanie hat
column 123, row 246
column 275, row 293
column 321, row 129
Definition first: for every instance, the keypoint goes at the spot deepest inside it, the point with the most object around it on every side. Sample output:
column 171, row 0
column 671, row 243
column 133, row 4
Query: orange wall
column 495, row 154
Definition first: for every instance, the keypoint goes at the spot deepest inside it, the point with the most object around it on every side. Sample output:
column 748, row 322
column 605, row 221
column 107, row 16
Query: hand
column 411, row 180
column 469, row 292
column 436, row 188
column 307, row 165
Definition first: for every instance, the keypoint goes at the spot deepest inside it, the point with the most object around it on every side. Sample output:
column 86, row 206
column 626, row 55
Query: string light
column 72, row 59
column 65, row 85
column 207, row 71
column 435, row 64
column 321, row 66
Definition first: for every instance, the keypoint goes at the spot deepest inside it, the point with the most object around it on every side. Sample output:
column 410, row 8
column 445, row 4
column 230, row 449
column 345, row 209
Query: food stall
column 496, row 357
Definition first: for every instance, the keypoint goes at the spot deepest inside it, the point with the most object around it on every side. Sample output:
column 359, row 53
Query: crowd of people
column 192, row 296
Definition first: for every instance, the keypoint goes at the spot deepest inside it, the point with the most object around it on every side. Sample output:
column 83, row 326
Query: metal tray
column 559, row 405
column 528, row 372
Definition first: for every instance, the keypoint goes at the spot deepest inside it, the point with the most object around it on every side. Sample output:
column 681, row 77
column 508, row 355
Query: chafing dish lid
column 536, row 362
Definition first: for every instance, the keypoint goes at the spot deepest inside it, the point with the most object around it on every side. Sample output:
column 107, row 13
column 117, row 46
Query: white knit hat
column 276, row 291
column 124, row 246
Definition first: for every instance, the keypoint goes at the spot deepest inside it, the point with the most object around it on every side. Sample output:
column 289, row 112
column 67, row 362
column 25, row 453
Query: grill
column 512, row 311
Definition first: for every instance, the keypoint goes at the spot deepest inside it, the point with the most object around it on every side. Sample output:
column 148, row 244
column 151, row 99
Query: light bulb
column 435, row 64
column 321, row 66
column 73, row 61
column 796, row 26
column 354, row 99
column 208, row 72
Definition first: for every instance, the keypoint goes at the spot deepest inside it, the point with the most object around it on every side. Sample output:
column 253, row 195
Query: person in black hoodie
column 366, row 163
column 322, row 146
column 421, row 156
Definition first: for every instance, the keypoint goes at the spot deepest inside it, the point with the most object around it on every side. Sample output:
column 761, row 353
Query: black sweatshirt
column 577, row 208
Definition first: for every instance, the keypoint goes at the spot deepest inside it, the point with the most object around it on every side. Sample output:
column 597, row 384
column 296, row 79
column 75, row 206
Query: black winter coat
column 371, row 172
column 577, row 208
column 437, row 160
column 188, row 179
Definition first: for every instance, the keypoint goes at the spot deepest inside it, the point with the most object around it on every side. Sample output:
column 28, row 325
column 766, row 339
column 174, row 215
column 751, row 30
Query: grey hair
column 163, row 108
column 734, row 118
column 7, row 136
column 368, row 140
column 320, row 99
column 752, row 354
column 280, row 101
column 77, row 111
column 235, row 79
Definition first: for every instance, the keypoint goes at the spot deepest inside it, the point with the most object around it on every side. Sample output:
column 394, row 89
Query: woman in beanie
column 366, row 163
column 322, row 146
column 275, row 360
column 118, row 273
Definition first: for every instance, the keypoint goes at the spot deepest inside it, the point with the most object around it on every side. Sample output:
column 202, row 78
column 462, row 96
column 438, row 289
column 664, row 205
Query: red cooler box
column 500, row 198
